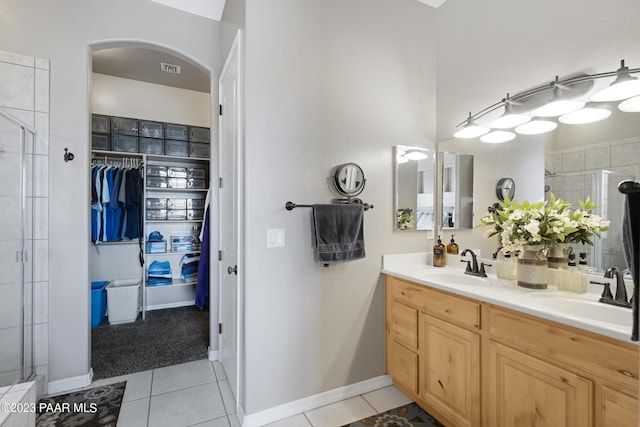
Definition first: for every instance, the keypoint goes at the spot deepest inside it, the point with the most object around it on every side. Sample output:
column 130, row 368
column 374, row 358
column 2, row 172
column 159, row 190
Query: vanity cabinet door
column 450, row 370
column 618, row 409
column 526, row 391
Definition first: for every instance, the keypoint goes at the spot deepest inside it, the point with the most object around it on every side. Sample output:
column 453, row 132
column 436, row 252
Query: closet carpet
column 167, row 337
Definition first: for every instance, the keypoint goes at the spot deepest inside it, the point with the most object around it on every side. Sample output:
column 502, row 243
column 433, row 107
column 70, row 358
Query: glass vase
column 558, row 255
column 532, row 267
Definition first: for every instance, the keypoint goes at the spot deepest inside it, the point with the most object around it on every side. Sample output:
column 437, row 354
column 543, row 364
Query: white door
column 230, row 125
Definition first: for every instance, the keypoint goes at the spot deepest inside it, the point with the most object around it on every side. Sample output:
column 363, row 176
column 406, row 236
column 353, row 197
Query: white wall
column 62, row 31
column 115, row 96
column 486, row 49
column 327, row 82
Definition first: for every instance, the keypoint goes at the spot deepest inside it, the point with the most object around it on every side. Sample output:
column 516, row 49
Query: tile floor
column 198, row 394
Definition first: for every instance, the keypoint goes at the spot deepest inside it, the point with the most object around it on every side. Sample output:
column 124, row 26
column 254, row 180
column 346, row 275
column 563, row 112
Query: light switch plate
column 275, row 237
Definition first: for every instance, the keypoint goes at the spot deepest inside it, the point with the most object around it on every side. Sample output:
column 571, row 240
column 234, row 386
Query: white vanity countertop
column 593, row 316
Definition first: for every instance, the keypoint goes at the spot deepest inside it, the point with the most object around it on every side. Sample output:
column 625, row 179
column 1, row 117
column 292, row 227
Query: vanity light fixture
column 497, row 137
column 623, row 87
column 558, row 105
column 400, row 159
column 536, row 127
column 509, row 119
column 470, row 129
column 415, row 155
column 585, row 115
column 559, row 98
column 631, row 105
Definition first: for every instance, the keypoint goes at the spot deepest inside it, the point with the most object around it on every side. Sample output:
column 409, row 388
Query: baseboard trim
column 67, row 384
column 295, row 407
column 213, row 355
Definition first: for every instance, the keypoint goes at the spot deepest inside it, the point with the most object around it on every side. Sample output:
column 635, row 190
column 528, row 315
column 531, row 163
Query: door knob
column 233, row 270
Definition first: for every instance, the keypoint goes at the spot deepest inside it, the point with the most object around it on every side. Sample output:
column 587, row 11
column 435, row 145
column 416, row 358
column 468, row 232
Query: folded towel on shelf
column 339, row 232
column 189, row 266
column 159, row 273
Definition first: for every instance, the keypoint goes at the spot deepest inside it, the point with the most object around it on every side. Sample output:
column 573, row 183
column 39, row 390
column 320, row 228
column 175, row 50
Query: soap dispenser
column 452, row 247
column 571, row 278
column 439, row 254
column 506, row 266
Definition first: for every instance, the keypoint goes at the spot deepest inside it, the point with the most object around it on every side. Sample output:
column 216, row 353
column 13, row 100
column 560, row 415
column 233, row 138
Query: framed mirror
column 348, row 180
column 456, row 172
column 414, row 175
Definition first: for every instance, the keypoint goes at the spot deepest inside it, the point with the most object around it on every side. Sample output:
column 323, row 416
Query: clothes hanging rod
column 291, row 206
column 629, row 187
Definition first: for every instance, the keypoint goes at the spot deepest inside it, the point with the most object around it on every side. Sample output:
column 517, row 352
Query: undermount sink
column 456, row 278
column 590, row 309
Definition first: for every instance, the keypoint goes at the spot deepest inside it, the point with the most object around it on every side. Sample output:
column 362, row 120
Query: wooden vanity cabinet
column 470, row 363
column 433, row 350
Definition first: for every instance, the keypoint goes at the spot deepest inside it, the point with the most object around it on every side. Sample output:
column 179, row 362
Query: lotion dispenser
column 439, row 254
column 452, row 247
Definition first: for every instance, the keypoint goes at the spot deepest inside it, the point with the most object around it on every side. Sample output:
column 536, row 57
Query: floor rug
column 167, row 337
column 410, row 415
column 98, row 406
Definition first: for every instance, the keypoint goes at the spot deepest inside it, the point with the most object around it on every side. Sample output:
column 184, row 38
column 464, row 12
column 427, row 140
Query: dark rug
column 166, row 337
column 98, row 406
column 410, row 415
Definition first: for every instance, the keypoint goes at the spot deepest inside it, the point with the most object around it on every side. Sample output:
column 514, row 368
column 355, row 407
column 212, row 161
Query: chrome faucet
column 474, row 270
column 621, row 289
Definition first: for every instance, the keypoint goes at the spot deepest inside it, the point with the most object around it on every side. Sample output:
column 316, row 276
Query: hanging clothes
column 202, row 284
column 116, row 194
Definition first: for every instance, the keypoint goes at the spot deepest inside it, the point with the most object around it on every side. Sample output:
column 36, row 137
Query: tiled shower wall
column 620, row 156
column 24, row 94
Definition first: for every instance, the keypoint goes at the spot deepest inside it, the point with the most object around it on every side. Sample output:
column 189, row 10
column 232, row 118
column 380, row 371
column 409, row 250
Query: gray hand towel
column 339, row 232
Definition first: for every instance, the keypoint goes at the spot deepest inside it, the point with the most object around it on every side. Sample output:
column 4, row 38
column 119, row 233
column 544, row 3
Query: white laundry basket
column 123, row 300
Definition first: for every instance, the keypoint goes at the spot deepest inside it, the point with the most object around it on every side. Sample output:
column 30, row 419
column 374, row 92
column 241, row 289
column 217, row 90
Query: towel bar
column 291, row 206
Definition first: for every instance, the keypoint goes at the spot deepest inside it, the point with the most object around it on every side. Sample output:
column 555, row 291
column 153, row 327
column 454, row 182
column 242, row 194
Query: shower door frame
column 24, row 256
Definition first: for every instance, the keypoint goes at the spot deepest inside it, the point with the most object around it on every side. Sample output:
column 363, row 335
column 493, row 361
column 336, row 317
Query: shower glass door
column 16, row 251
column 601, row 186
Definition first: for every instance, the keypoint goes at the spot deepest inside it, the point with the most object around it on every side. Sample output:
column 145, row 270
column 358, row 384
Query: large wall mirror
column 590, row 160
column 414, row 188
column 456, row 189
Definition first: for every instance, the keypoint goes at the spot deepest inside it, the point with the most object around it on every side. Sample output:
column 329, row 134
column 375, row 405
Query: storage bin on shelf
column 98, row 302
column 123, row 300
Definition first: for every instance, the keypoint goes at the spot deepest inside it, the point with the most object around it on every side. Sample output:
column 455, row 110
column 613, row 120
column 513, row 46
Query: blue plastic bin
column 98, row 302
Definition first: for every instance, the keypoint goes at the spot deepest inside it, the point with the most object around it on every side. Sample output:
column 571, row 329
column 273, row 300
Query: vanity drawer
column 564, row 344
column 402, row 366
column 403, row 325
column 445, row 306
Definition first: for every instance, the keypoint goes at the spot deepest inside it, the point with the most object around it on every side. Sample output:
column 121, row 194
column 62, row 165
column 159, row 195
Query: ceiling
column 144, row 64
column 208, row 8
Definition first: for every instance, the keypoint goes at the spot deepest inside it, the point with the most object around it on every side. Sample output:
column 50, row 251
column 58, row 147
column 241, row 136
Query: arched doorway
column 161, row 87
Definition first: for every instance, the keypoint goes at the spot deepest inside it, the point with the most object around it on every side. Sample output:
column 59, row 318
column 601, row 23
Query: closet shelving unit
column 189, row 185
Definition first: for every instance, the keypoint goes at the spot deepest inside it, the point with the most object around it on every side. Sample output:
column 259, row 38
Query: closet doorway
column 152, row 133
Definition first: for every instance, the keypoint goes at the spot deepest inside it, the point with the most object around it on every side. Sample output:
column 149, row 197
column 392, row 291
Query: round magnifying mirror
column 348, row 179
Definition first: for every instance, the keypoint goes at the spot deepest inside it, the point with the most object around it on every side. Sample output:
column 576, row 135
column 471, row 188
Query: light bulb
column 497, row 137
column 536, row 127
column 631, row 105
column 558, row 108
column 509, row 120
column 585, row 115
column 415, row 155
